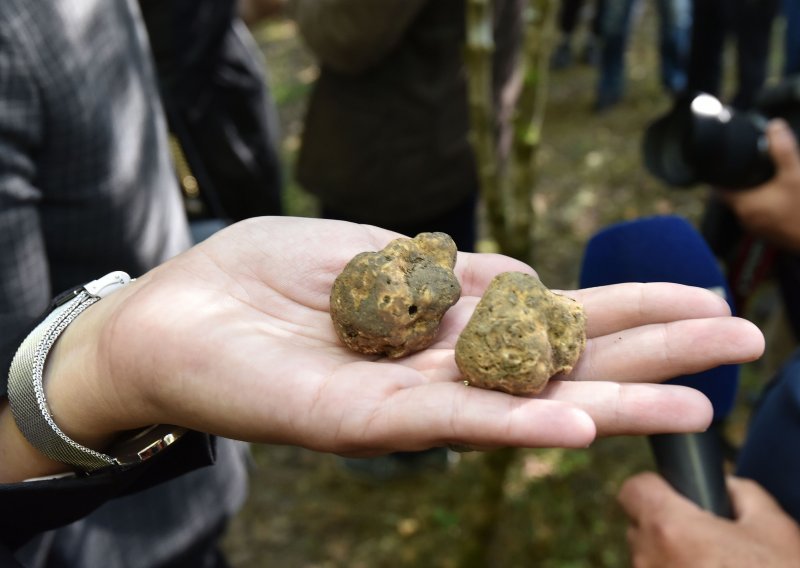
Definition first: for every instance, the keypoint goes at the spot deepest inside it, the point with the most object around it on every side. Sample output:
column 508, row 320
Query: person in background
column 253, row 12
column 749, row 24
column 385, row 137
column 791, row 39
column 668, row 530
column 569, row 14
column 220, row 111
column 87, row 187
column 675, row 25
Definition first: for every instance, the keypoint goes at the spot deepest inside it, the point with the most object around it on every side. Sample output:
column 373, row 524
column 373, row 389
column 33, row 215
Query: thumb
column 650, row 494
column 750, row 500
column 782, row 144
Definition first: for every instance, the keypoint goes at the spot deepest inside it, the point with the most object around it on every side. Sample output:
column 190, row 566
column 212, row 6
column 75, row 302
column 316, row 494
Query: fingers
column 650, row 353
column 619, row 410
column 661, row 351
column 608, row 308
column 782, row 144
column 751, row 500
column 566, row 415
column 475, row 271
column 437, row 414
column 649, row 495
column 622, row 306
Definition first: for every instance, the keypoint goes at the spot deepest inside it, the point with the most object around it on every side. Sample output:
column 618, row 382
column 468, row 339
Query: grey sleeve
column 24, row 277
column 351, row 36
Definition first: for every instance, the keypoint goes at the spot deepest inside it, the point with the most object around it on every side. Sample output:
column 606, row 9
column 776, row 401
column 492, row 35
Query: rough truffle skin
column 520, row 335
column 391, row 302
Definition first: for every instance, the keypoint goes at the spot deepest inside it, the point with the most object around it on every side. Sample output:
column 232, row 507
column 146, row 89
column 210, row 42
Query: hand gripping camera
column 700, row 140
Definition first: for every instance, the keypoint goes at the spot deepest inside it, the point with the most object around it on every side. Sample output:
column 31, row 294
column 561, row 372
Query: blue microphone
column 669, row 249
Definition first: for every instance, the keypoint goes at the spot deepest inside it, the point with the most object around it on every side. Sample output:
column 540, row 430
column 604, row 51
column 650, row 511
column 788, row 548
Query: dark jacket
column 385, row 136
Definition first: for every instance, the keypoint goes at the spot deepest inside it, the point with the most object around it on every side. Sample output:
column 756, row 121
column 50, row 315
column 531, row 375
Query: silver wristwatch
column 27, row 399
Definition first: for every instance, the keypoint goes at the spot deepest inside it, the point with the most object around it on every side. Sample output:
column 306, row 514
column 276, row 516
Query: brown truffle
column 391, row 302
column 520, row 335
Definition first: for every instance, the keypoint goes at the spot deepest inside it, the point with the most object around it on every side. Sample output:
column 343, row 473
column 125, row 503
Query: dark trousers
column 771, row 453
column 570, row 11
column 749, row 22
column 674, row 35
column 791, row 48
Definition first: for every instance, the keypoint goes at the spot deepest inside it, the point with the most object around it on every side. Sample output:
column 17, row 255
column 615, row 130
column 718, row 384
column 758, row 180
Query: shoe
column 562, row 56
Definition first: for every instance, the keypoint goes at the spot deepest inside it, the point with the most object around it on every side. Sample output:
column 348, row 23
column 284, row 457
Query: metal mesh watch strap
column 26, row 391
column 29, row 404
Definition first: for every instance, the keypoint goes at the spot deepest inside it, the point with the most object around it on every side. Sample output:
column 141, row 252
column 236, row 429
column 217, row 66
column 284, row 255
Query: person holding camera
column 675, row 22
column 669, row 530
column 772, row 210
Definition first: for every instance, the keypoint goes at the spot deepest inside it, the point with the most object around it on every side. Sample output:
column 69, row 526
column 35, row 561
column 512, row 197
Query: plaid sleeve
column 24, row 279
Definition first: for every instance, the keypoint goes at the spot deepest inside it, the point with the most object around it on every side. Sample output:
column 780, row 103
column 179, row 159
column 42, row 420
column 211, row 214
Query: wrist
column 63, row 399
column 89, row 381
column 75, row 388
column 63, row 380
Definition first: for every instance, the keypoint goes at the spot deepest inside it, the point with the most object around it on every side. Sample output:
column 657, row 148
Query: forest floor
column 553, row 508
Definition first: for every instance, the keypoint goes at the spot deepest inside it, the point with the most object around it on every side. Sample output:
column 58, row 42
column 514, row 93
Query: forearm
column 83, row 400
column 18, row 459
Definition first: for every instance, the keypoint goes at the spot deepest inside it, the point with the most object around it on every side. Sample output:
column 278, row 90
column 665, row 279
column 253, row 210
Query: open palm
column 235, row 338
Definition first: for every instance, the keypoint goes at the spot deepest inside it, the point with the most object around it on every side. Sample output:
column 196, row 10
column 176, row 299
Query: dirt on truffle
column 391, row 302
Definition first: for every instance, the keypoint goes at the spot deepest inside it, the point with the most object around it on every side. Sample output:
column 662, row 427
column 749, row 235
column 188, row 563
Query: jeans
column 791, row 11
column 675, row 22
column 771, row 453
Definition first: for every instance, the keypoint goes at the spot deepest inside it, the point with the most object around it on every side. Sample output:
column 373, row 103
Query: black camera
column 700, row 140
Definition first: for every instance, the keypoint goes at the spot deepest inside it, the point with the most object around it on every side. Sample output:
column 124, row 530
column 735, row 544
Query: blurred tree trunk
column 507, row 191
column 507, row 188
column 486, row 510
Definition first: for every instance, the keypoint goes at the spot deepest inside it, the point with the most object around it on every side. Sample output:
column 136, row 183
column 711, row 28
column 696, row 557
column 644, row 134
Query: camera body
column 700, row 140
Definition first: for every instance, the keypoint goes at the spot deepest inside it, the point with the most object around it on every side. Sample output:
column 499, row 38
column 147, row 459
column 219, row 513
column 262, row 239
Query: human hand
column 772, row 210
column 668, row 530
column 234, row 338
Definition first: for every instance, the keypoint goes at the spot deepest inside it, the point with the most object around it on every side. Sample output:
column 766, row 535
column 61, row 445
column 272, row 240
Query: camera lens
column 666, row 144
column 702, row 141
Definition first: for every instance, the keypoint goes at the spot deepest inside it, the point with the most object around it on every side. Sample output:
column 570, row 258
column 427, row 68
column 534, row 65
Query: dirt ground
column 551, row 508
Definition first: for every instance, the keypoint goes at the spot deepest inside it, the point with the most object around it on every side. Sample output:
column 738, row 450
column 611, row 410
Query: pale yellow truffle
column 520, row 336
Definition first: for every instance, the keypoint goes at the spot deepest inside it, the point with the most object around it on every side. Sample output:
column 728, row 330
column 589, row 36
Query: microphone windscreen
column 663, row 249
